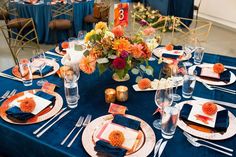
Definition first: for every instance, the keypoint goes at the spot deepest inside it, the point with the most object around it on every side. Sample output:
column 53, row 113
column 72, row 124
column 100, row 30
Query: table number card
column 121, row 14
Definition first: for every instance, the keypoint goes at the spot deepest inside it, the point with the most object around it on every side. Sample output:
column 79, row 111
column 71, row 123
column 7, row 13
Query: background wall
column 220, row 11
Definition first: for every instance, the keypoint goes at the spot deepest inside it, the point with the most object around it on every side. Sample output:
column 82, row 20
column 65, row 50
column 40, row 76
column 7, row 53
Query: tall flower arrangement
column 111, row 49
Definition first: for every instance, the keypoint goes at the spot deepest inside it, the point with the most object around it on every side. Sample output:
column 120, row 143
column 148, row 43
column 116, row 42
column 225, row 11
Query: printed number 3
column 121, row 14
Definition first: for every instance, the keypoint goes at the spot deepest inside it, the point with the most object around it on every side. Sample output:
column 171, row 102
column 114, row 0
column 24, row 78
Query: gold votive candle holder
column 110, row 95
column 122, row 93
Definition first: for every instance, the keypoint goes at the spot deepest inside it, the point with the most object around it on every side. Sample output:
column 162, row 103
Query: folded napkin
column 225, row 76
column 178, row 47
column 108, row 150
column 16, row 113
column 172, row 56
column 222, row 118
column 46, row 96
column 127, row 122
column 47, row 69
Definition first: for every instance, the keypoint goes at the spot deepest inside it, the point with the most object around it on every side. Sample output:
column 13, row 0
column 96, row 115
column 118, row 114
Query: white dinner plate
column 211, row 82
column 231, row 131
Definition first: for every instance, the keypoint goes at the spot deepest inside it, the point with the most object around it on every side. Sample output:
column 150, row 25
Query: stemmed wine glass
column 177, row 73
column 189, row 47
column 163, row 98
column 39, row 63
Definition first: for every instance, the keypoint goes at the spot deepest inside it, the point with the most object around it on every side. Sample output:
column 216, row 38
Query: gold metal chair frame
column 18, row 40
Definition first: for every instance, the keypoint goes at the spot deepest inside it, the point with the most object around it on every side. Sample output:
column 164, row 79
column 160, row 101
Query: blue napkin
column 172, row 56
column 108, row 150
column 222, row 118
column 47, row 69
column 127, row 122
column 225, row 76
column 16, row 113
column 45, row 96
column 178, row 47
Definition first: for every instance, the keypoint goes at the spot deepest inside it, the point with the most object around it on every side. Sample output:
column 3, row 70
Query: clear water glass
column 163, row 98
column 188, row 85
column 169, row 120
column 26, row 73
column 198, row 55
column 71, row 91
column 72, row 42
column 81, row 34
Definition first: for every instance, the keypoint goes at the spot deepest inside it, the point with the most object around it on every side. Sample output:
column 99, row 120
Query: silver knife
column 157, row 146
column 223, row 103
column 10, row 77
column 60, row 117
column 162, row 147
column 54, row 54
column 36, row 131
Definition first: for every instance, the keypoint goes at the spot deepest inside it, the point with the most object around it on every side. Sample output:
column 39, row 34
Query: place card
column 117, row 109
column 208, row 72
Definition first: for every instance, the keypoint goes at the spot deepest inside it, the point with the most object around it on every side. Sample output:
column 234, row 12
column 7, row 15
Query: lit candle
column 110, row 95
column 122, row 93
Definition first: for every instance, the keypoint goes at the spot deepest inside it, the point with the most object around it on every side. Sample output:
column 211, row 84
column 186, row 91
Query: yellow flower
column 88, row 35
column 101, row 25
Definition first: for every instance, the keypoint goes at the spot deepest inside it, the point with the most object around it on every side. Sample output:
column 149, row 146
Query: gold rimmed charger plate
column 144, row 147
column 231, row 131
column 56, row 66
column 47, row 113
column 211, row 82
column 157, row 52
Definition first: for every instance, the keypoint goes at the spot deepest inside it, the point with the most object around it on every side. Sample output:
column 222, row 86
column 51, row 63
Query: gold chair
column 61, row 24
column 20, row 39
column 196, row 8
column 181, row 32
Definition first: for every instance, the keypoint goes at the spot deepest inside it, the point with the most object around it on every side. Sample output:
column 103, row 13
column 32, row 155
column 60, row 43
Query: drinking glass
column 38, row 63
column 188, row 85
column 72, row 41
column 198, row 55
column 177, row 73
column 189, row 47
column 25, row 72
column 169, row 120
column 163, row 98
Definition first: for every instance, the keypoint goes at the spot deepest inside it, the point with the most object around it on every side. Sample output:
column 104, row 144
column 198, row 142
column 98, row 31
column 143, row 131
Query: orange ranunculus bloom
column 146, row 51
column 121, row 45
column 88, row 64
column 144, row 83
column 136, row 50
column 95, row 53
column 118, row 31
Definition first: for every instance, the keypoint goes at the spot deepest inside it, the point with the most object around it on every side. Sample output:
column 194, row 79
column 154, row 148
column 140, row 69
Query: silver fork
column 86, row 122
column 219, row 88
column 77, row 125
column 196, row 144
column 197, row 139
column 13, row 92
column 4, row 96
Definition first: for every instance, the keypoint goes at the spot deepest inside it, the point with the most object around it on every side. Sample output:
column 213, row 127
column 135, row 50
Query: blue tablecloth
column 41, row 14
column 18, row 141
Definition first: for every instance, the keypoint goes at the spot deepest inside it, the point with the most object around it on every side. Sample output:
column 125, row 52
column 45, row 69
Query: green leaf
column 138, row 78
column 135, row 71
column 86, row 53
column 149, row 70
column 112, row 56
column 102, row 68
column 142, row 67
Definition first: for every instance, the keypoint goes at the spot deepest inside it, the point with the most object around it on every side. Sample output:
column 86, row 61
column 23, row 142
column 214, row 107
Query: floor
column 221, row 41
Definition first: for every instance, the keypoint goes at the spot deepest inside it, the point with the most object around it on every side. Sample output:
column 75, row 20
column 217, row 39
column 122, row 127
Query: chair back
column 62, row 10
column 7, row 10
column 21, row 39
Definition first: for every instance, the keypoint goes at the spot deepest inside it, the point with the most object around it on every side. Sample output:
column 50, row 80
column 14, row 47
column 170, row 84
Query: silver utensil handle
column 42, row 132
column 224, row 89
column 67, row 136
column 72, row 141
column 227, row 91
column 216, row 145
column 229, row 154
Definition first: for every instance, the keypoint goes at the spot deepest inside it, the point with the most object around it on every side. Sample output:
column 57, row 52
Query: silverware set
column 211, row 87
column 8, row 94
column 193, row 140
column 159, row 147
column 59, row 116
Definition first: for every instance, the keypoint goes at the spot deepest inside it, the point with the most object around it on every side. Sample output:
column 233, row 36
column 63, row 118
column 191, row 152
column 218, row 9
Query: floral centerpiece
column 111, row 49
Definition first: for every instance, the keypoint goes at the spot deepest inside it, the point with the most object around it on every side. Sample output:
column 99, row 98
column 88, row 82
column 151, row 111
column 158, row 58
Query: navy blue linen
column 19, row 141
column 41, row 15
column 16, row 113
column 124, row 121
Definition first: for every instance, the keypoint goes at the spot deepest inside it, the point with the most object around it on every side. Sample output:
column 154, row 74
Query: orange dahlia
column 121, row 45
column 218, row 68
column 88, row 64
column 136, row 50
column 144, row 83
column 27, row 105
column 116, row 138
